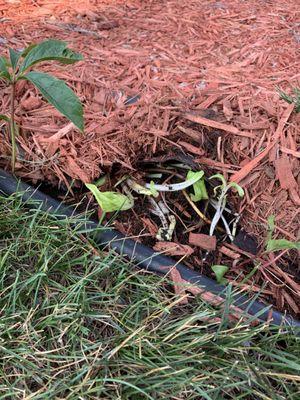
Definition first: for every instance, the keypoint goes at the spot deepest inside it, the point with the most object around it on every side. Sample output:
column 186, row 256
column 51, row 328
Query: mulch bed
column 195, row 78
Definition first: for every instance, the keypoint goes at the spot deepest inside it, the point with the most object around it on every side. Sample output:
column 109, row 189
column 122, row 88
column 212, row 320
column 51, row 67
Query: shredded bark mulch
column 196, row 78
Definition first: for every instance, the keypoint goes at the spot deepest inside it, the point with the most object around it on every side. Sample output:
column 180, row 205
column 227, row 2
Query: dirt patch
column 197, row 78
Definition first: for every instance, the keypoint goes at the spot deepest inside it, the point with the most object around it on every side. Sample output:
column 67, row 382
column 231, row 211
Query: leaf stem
column 12, row 125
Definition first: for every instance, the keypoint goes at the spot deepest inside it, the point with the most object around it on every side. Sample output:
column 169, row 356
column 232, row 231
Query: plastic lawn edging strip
column 143, row 256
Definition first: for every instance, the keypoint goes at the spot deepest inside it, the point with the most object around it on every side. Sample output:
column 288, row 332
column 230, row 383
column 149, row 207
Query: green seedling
column 222, row 200
column 200, row 192
column 278, row 244
column 110, row 201
column 291, row 99
column 220, row 271
column 18, row 67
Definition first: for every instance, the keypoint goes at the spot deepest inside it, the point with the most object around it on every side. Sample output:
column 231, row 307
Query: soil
column 194, row 81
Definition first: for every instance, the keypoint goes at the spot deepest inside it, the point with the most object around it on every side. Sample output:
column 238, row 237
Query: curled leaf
column 239, row 189
column 200, row 192
column 110, row 201
column 221, row 178
column 220, row 271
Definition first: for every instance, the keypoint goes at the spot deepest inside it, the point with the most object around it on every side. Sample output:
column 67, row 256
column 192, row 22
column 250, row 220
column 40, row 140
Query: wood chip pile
column 161, row 76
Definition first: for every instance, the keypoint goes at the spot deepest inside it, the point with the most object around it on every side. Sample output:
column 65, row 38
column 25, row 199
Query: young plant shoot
column 18, row 67
column 222, row 200
column 278, row 244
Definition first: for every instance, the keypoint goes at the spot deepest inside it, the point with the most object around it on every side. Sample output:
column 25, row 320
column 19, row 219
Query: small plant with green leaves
column 278, row 244
column 220, row 205
column 18, row 67
column 291, row 99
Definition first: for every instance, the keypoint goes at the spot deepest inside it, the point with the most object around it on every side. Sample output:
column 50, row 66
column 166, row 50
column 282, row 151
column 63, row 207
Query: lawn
column 79, row 323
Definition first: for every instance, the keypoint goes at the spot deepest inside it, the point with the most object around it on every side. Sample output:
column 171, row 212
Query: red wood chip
column 173, row 249
column 206, row 242
column 179, row 284
column 284, row 173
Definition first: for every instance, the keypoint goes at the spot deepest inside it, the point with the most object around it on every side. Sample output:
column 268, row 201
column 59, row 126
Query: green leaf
column 239, row 189
column 101, row 181
column 59, row 95
column 203, row 189
column 28, row 49
column 278, row 244
column 14, row 58
column 281, row 244
column 50, row 50
column 220, row 271
column 200, row 192
column 3, row 69
column 152, row 189
column 110, row 201
column 291, row 99
column 271, row 226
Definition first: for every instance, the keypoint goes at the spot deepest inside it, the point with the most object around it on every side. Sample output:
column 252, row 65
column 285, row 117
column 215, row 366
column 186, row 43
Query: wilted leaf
column 57, row 93
column 3, row 68
column 282, row 244
column 110, row 201
column 220, row 271
column 50, row 50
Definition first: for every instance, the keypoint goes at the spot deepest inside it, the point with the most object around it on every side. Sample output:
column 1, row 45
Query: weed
column 54, row 90
column 221, row 203
column 220, row 271
column 278, row 244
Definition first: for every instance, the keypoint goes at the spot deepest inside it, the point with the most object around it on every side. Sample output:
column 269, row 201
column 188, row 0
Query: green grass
column 294, row 98
column 75, row 325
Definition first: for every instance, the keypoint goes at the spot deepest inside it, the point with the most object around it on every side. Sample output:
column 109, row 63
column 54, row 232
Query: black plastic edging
column 143, row 256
